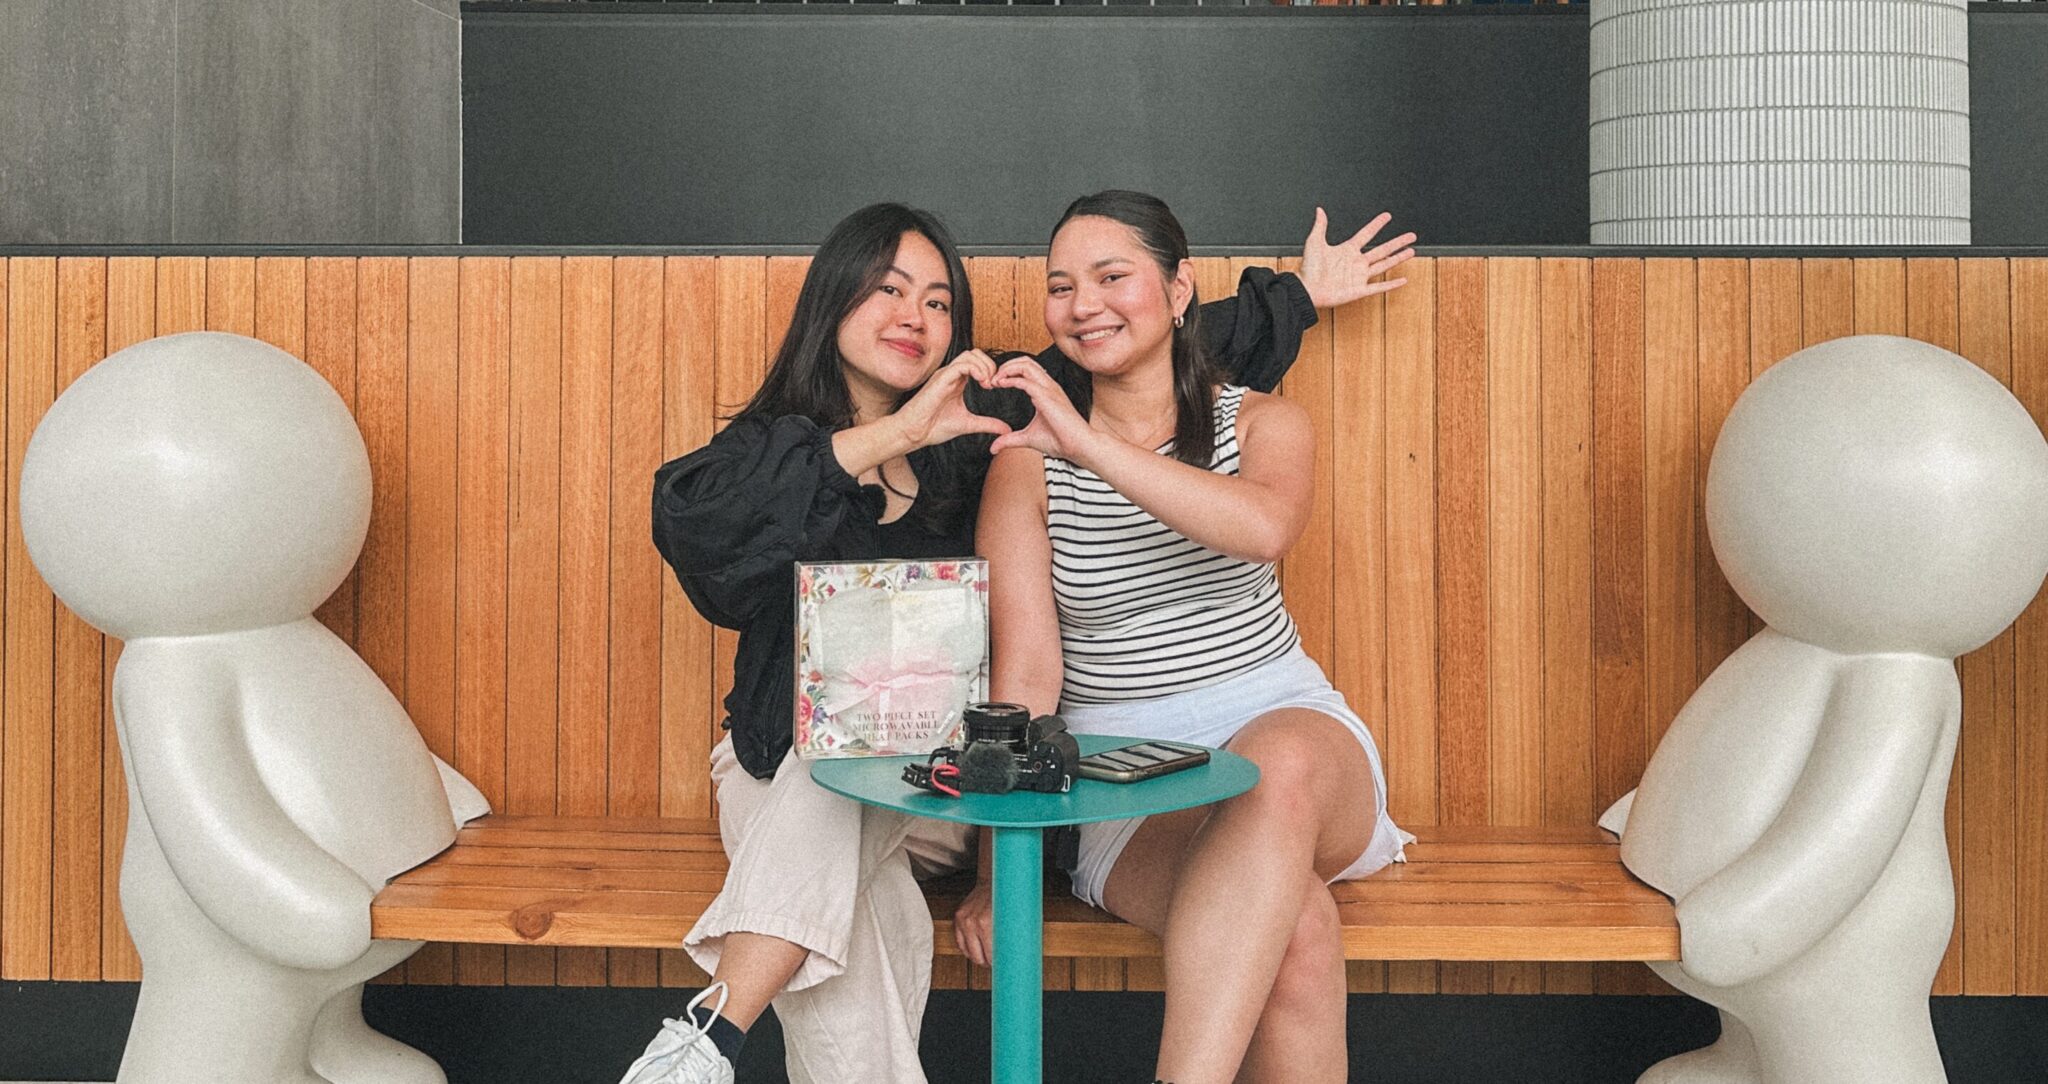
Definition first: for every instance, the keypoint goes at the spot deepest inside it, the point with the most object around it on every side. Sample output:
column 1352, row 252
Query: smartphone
column 1145, row 760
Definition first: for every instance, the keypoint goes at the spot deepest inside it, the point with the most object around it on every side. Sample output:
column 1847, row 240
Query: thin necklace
column 1165, row 432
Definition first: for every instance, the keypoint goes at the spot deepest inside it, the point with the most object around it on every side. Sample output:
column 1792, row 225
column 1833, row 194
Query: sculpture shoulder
column 161, row 676
column 1901, row 683
column 1729, row 762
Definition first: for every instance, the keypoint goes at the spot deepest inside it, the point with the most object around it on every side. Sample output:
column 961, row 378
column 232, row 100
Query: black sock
column 725, row 1035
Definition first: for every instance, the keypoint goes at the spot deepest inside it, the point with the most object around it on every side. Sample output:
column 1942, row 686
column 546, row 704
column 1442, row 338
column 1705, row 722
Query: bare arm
column 1025, row 627
column 935, row 415
column 1024, row 622
column 1254, row 515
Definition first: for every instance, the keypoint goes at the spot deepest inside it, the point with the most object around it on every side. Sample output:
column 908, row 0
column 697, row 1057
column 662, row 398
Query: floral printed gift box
column 888, row 655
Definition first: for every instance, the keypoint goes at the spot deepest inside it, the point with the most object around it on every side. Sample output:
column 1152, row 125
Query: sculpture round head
column 195, row 484
column 1880, row 494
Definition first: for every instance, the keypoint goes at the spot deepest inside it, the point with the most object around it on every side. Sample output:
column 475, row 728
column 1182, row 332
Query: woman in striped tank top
column 1131, row 541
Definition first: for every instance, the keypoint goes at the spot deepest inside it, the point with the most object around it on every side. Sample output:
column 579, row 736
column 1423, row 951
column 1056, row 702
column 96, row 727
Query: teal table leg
column 1019, row 967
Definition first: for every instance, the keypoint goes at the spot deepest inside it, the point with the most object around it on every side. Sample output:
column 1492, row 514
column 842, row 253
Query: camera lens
column 995, row 721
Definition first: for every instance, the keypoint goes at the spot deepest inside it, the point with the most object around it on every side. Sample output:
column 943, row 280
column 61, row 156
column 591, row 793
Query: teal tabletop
column 879, row 781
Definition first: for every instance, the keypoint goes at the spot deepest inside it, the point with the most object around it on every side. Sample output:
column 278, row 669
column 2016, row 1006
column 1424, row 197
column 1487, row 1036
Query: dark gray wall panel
column 2009, row 126
column 85, row 120
column 196, row 121
column 705, row 127
column 696, row 127
column 415, row 149
column 303, row 120
column 279, row 92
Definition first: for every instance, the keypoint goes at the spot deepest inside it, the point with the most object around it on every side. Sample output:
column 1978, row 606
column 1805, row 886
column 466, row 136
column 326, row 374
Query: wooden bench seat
column 1465, row 893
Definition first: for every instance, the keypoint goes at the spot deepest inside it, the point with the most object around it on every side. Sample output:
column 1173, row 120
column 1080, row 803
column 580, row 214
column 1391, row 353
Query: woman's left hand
column 1057, row 429
column 1342, row 273
column 974, row 925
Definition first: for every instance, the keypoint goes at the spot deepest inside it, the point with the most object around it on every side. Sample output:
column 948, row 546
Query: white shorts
column 1212, row 715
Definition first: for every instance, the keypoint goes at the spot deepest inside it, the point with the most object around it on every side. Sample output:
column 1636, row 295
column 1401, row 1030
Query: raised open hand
column 1338, row 274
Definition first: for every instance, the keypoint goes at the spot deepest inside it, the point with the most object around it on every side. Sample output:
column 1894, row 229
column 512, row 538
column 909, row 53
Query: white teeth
column 1098, row 336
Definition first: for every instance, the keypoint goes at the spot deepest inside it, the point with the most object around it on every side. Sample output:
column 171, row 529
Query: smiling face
column 897, row 336
column 1108, row 304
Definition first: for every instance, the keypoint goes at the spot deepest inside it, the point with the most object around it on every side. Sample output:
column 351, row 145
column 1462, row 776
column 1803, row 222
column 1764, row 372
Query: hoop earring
column 1179, row 320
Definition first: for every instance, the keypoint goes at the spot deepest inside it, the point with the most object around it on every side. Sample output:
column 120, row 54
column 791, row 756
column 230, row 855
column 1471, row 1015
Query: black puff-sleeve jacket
column 733, row 517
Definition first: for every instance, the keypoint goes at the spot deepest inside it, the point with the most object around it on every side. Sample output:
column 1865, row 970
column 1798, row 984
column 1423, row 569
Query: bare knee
column 1284, row 793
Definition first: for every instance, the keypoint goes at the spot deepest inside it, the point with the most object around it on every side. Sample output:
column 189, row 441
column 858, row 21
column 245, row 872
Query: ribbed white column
column 1780, row 122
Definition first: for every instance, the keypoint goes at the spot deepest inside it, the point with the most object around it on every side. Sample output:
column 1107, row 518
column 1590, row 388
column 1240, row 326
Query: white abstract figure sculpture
column 197, row 496
column 1883, row 505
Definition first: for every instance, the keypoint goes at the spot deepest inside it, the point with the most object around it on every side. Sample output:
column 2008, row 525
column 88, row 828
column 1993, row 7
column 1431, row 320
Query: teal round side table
column 1019, row 820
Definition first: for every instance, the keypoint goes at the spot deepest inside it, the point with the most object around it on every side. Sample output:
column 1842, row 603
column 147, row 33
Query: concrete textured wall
column 1780, row 122
column 230, row 121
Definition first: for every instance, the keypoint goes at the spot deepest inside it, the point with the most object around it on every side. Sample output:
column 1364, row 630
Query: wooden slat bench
column 1480, row 894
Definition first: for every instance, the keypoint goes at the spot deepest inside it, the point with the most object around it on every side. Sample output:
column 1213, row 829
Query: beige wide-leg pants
column 839, row 879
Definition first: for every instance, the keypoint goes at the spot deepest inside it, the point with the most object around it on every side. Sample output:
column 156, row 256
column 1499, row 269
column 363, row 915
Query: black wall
column 551, row 1035
column 2009, row 124
column 700, row 127
column 692, row 125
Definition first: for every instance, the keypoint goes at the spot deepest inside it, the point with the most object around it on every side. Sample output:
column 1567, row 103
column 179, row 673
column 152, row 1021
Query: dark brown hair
column 807, row 376
column 1195, row 374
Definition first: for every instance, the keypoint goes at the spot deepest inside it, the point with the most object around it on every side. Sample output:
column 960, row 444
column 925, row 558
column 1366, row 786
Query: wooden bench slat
column 1374, row 890
column 1453, row 943
column 1478, row 872
column 686, row 826
column 563, row 858
column 1466, row 894
column 1512, row 852
column 1086, row 940
column 1528, row 916
column 589, row 840
column 623, row 902
column 1519, row 834
column 495, row 926
column 570, row 880
column 520, row 916
column 1585, row 944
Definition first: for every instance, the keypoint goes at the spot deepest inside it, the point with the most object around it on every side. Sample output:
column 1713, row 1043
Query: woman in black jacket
column 860, row 444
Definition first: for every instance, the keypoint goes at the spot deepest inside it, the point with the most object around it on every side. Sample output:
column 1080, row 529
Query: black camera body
column 1004, row 749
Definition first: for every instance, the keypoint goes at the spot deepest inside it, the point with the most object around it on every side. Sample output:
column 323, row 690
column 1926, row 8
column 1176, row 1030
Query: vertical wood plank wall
column 1508, row 576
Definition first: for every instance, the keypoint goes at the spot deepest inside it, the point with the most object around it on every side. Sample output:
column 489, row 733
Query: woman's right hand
column 974, row 925
column 938, row 412
column 1056, row 428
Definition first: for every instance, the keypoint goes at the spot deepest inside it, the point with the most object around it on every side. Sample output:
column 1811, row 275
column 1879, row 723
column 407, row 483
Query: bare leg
column 1187, row 876
column 754, row 968
column 1300, row 1036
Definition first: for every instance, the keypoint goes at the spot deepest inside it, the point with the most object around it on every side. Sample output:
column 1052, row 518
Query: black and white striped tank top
column 1145, row 612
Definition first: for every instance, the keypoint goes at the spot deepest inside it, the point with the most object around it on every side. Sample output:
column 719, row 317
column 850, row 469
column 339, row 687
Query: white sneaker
column 683, row 1053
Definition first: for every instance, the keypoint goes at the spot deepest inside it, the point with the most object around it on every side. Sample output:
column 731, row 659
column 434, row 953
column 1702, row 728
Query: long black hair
column 807, row 376
column 1195, row 373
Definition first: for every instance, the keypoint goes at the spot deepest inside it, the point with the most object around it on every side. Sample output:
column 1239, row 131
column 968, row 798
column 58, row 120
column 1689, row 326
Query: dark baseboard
column 552, row 1035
